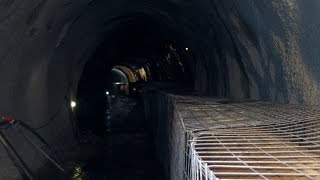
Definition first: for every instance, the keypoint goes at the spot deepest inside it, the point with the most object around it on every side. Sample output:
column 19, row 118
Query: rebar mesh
column 249, row 140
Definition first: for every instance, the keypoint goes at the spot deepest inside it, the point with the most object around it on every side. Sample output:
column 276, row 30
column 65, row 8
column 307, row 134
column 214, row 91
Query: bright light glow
column 107, row 93
column 187, row 49
column 73, row 104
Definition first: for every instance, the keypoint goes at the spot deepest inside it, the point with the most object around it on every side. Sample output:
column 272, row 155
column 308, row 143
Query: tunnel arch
column 127, row 71
column 219, row 83
column 119, row 76
column 263, row 50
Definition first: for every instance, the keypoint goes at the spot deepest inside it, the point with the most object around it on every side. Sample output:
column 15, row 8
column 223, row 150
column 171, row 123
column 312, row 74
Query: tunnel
column 131, row 89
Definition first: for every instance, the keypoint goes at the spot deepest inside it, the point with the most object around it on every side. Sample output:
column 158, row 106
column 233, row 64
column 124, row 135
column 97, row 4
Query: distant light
column 73, row 104
column 107, row 93
column 187, row 49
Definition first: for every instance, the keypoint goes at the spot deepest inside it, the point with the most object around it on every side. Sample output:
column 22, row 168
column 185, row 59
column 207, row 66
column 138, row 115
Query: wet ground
column 127, row 150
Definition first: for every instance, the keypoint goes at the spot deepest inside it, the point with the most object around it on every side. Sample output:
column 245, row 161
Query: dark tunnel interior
column 141, row 42
column 144, row 44
column 97, row 89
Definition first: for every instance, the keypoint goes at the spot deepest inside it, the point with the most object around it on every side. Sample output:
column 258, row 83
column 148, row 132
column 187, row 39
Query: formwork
column 248, row 139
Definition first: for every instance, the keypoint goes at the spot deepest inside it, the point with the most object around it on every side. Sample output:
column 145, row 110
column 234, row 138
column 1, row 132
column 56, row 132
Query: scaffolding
column 248, row 139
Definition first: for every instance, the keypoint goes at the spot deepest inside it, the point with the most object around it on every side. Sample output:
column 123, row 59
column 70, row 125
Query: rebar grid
column 249, row 140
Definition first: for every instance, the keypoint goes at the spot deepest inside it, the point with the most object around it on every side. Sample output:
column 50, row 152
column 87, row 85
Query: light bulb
column 73, row 104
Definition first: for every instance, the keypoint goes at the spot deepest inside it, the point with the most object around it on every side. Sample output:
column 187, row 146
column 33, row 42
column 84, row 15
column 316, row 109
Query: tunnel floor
column 127, row 148
column 218, row 138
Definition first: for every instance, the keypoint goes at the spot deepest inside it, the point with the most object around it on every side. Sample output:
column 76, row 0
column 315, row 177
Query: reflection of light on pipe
column 73, row 104
column 107, row 93
column 117, row 83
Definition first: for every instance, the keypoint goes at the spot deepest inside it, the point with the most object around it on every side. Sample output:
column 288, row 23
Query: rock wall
column 276, row 41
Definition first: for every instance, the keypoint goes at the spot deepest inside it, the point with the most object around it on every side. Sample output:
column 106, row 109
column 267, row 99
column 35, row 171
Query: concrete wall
column 168, row 133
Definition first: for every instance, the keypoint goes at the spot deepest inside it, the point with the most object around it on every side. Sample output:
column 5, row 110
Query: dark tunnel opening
column 143, row 44
column 138, row 53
